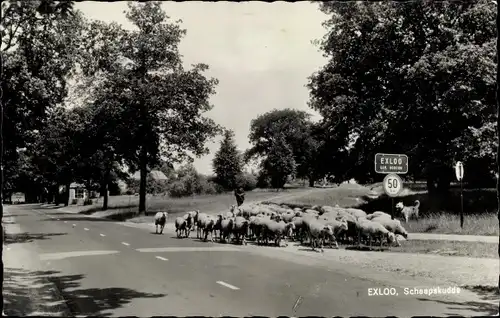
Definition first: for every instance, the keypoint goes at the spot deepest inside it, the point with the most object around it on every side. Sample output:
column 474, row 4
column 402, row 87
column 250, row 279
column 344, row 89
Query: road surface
column 99, row 267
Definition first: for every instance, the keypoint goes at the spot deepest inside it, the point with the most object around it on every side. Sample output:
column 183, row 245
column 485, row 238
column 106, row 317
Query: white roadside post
column 392, row 187
column 392, row 165
column 459, row 172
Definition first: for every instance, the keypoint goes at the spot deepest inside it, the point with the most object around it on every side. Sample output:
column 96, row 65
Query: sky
column 260, row 52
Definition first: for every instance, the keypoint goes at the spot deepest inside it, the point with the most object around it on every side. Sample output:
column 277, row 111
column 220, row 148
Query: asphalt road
column 107, row 269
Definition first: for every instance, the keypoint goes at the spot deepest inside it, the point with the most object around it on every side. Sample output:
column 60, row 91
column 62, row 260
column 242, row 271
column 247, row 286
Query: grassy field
column 125, row 207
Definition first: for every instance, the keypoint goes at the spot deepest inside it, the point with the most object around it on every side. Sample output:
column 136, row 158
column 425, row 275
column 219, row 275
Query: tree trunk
column 498, row 143
column 311, row 181
column 66, row 194
column 105, row 189
column 143, row 165
column 56, row 195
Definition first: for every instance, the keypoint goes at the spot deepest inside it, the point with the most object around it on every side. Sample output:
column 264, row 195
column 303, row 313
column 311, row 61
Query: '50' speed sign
column 393, row 185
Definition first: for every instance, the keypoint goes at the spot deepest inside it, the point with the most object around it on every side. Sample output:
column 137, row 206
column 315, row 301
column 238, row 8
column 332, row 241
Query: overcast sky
column 261, row 53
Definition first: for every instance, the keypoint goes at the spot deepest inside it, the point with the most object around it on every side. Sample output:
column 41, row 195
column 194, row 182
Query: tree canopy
column 426, row 67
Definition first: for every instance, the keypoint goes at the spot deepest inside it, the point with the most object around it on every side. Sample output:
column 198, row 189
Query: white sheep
column 318, row 232
column 356, row 212
column 373, row 229
column 161, row 220
column 408, row 211
column 226, row 229
column 180, row 226
column 207, row 224
column 299, row 231
column 278, row 231
column 240, row 229
column 199, row 223
column 217, row 225
column 339, row 227
column 287, row 217
column 378, row 214
column 190, row 219
column 392, row 225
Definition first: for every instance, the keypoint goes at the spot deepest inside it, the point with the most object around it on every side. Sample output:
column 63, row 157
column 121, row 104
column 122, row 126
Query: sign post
column 392, row 187
column 459, row 172
column 392, row 165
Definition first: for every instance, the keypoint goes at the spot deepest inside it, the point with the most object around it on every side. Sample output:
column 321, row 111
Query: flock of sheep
column 318, row 225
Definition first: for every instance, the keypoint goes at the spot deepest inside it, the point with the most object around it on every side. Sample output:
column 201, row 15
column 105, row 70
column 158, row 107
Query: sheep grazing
column 392, row 225
column 372, row 230
column 339, row 227
column 408, row 211
column 161, row 220
column 180, row 226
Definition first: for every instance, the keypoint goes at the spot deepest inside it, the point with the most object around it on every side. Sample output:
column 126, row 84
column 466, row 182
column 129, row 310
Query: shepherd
column 240, row 196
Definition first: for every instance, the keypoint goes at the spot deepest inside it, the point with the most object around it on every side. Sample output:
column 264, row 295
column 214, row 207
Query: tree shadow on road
column 488, row 304
column 21, row 287
column 28, row 237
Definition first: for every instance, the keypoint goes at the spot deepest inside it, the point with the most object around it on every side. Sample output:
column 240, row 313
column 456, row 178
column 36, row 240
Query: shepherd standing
column 240, row 196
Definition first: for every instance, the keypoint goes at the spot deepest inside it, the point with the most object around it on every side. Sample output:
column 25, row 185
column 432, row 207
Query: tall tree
column 296, row 129
column 424, row 66
column 159, row 103
column 227, row 163
column 279, row 163
column 38, row 56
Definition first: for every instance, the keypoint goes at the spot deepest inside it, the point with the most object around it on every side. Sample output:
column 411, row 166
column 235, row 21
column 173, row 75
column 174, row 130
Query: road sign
column 391, row 163
column 459, row 171
column 393, row 185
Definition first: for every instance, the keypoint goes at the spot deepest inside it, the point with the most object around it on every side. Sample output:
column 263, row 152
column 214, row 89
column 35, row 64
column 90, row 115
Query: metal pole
column 392, row 208
column 461, row 205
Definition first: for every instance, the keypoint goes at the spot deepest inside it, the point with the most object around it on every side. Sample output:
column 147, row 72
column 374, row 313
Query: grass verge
column 449, row 248
column 445, row 223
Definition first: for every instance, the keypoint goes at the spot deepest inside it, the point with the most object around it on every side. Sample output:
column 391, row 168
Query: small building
column 77, row 191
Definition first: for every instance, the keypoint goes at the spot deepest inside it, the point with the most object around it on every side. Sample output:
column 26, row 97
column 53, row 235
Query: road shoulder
column 26, row 287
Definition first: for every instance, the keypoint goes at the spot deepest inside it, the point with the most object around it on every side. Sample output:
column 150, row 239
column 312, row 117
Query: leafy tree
column 296, row 129
column 159, row 103
column 279, row 163
column 227, row 163
column 38, row 54
column 421, row 67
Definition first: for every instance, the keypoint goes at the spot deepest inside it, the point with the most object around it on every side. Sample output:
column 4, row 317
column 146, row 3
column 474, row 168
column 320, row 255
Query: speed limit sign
column 393, row 185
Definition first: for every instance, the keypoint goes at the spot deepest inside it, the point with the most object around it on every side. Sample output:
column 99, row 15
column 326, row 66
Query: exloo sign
column 391, row 163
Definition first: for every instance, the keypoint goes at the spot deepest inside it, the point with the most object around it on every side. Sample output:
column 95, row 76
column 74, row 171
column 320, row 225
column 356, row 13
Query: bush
column 247, row 181
column 74, row 201
column 263, row 181
column 178, row 189
column 87, row 201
